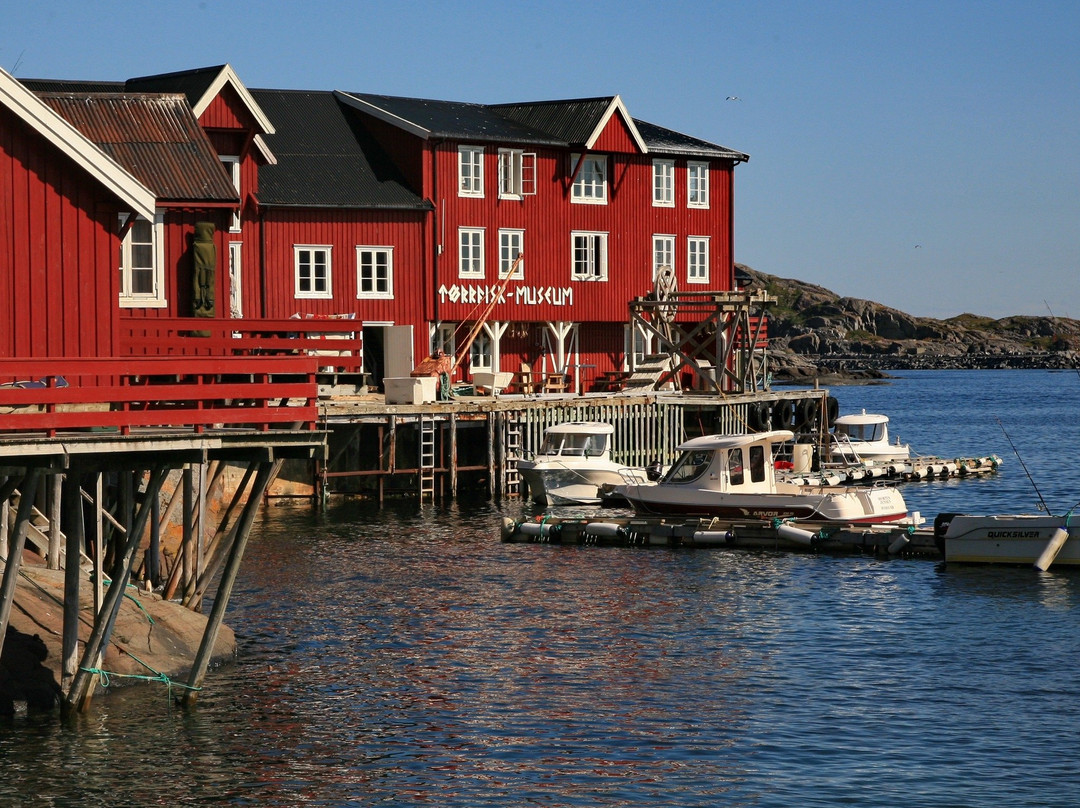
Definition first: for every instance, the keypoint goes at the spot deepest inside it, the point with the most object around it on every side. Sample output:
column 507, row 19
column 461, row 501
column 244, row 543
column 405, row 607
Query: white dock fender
column 1053, row 547
column 541, row 529
column 899, row 543
column 508, row 528
column 795, row 534
column 605, row 529
column 712, row 537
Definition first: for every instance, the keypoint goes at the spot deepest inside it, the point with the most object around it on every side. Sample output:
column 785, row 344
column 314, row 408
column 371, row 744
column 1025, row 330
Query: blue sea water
column 406, row 657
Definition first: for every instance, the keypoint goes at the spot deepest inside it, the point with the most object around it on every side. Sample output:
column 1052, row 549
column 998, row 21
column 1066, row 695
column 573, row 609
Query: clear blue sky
column 925, row 155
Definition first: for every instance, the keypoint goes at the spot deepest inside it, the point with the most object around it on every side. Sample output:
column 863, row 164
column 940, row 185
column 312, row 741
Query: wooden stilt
column 79, row 695
column 453, row 454
column 27, row 491
column 73, row 521
column 52, row 558
column 187, row 549
column 267, row 472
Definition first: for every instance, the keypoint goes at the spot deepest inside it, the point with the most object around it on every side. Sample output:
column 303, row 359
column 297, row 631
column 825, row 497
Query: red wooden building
column 407, row 215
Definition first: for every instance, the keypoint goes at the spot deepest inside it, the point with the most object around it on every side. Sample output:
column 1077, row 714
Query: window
column 663, row 183
column 637, row 344
column 663, row 248
column 757, row 464
column 236, row 297
column 312, row 271
column 142, row 263
column 590, row 179
column 697, row 185
column 589, row 252
column 510, row 247
column 470, row 171
column 735, row 467
column 480, row 353
column 517, row 174
column 689, row 466
column 697, row 259
column 471, row 252
column 375, row 272
column 442, row 339
column 232, row 165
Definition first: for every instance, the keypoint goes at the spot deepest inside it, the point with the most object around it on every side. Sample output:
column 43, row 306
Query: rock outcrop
column 815, row 333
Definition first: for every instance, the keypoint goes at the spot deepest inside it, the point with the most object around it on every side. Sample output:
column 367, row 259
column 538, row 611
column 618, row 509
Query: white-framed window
column 697, row 259
column 471, row 252
column 142, row 263
column 589, row 256
column 442, row 339
column 637, row 344
column 517, row 174
column 511, row 245
column 470, row 170
column 232, row 165
column 590, row 179
column 374, row 272
column 663, row 250
column 697, row 185
column 663, row 183
column 236, row 288
column 313, row 270
column 481, row 352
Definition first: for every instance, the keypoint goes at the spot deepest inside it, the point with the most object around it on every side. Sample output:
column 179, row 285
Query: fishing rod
column 1023, row 465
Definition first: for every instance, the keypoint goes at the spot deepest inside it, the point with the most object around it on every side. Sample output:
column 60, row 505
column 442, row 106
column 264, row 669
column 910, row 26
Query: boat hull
column 851, row 506
column 1008, row 539
column 565, row 484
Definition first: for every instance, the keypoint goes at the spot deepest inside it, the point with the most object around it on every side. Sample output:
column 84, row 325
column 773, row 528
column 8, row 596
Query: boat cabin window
column 690, row 466
column 757, row 464
column 735, row 467
column 862, row 432
column 574, row 445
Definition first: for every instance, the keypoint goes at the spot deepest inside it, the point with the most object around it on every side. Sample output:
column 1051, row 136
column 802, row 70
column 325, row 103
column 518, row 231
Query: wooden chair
column 555, row 383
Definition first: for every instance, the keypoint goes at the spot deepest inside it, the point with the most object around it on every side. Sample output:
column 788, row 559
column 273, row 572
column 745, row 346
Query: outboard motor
column 654, row 471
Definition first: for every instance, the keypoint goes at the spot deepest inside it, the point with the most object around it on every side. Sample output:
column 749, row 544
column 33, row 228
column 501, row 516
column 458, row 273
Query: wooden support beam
column 27, row 491
column 78, row 698
column 266, row 473
column 73, row 520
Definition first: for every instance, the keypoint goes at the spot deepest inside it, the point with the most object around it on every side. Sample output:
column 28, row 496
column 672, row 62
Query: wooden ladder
column 426, row 427
column 512, row 448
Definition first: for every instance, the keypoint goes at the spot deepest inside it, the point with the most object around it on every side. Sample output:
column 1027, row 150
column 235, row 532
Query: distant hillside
column 815, row 332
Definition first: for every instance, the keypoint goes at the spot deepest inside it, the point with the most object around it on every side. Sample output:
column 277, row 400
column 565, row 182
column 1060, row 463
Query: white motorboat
column 1038, row 539
column 573, row 462
column 864, row 439
column 733, row 476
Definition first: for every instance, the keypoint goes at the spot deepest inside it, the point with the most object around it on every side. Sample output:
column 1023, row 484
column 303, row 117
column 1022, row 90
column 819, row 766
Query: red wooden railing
column 338, row 342
column 173, row 392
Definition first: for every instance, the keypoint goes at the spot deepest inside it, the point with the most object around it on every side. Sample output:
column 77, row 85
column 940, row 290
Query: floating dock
column 784, row 535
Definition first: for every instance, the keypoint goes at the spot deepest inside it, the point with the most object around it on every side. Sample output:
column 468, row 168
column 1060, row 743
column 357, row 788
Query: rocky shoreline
column 817, row 335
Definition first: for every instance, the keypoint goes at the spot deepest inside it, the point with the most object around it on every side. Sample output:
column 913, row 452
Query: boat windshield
column 689, row 467
column 862, row 432
column 574, row 445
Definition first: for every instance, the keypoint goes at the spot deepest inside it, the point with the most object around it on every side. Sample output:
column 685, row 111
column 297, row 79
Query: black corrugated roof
column 666, row 141
column 326, row 158
column 571, row 121
column 67, row 86
column 193, row 84
column 458, row 120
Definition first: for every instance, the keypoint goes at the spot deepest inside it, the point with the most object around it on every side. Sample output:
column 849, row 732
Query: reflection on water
column 407, row 657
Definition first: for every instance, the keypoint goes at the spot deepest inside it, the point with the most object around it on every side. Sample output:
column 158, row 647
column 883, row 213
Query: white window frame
column 236, row 288
column 443, row 338
column 588, row 256
column 154, row 299
column 517, row 174
column 590, row 180
column 232, row 165
column 697, row 185
column 663, row 183
column 362, row 263
column 697, row 259
column 313, row 293
column 663, row 252
column 637, row 344
column 471, row 171
column 482, row 352
column 471, row 252
column 511, row 245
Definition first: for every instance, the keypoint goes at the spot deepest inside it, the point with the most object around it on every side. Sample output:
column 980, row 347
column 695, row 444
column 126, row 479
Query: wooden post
column 187, row 542
column 53, row 498
column 78, row 698
column 218, row 545
column 27, row 491
column 491, row 454
column 453, row 455
column 267, row 472
column 73, row 519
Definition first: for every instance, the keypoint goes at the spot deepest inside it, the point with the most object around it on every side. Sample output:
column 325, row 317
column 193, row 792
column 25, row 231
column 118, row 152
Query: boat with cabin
column 733, row 476
column 572, row 463
column 864, row 439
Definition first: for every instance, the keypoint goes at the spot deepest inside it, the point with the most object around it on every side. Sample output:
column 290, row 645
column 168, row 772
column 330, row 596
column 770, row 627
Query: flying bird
column 733, row 98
